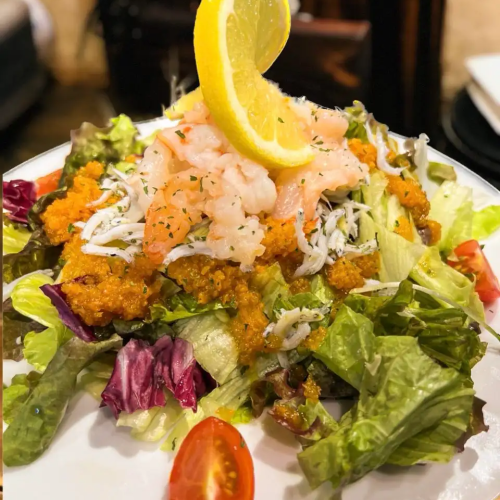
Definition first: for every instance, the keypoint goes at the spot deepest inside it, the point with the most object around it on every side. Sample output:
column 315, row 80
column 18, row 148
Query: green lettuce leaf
column 357, row 116
column 97, row 375
column 14, row 236
column 40, row 348
column 15, row 328
column 181, row 306
column 435, row 444
column 322, row 289
column 153, row 424
column 36, row 422
column 38, row 254
column 375, row 196
column 30, row 301
column 348, row 345
column 442, row 332
column 397, row 255
column 214, row 347
column 109, row 144
column 485, row 222
column 403, row 392
column 271, row 284
column 433, row 273
column 228, row 397
column 242, row 415
column 17, row 393
column 451, row 206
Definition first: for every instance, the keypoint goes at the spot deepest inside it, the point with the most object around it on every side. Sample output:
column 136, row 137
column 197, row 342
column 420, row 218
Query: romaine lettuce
column 348, row 345
column 214, row 347
column 397, row 255
column 226, row 398
column 271, row 284
column 403, row 392
column 40, row 348
column 30, row 301
column 433, row 273
column 14, row 237
column 485, row 222
column 36, row 422
column 451, row 206
column 181, row 306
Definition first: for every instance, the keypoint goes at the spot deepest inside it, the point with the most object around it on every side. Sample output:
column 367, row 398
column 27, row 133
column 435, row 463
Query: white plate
column 92, row 459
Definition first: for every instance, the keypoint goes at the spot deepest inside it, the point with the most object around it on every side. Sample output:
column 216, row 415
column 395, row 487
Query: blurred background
column 414, row 63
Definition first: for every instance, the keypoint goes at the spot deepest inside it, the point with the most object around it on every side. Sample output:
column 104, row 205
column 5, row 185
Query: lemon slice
column 185, row 103
column 234, row 40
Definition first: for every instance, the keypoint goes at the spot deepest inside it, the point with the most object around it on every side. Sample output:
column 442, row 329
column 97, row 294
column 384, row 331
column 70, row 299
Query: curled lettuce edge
column 471, row 313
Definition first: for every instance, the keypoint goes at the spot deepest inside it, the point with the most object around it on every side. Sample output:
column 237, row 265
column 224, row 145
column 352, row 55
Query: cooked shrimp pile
column 192, row 172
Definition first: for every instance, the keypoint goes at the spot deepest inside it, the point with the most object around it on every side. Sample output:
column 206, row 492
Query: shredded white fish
column 194, row 248
column 296, row 336
column 268, row 330
column 117, row 222
column 329, row 242
column 382, row 152
column 9, row 287
column 121, row 232
column 288, row 318
column 91, row 249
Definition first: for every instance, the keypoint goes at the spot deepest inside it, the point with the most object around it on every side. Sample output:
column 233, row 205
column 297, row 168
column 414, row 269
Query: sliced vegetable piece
column 18, row 198
column 48, row 183
column 212, row 463
column 471, row 260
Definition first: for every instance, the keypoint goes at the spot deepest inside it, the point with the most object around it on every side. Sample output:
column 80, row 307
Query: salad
column 259, row 255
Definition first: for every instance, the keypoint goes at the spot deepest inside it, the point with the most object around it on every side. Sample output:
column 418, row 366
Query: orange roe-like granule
column 314, row 339
column 312, row 390
column 279, row 238
column 435, row 230
column 344, row 275
column 61, row 214
column 369, row 265
column 411, row 196
column 366, row 153
column 288, row 414
column 300, row 285
column 402, row 226
column 249, row 323
column 107, row 287
column 207, row 279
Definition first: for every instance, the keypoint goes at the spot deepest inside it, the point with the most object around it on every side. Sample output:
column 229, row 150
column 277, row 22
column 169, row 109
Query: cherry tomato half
column 213, row 463
column 47, row 183
column 471, row 260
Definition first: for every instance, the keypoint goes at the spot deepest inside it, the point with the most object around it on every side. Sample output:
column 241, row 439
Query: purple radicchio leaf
column 68, row 317
column 131, row 386
column 142, row 372
column 18, row 197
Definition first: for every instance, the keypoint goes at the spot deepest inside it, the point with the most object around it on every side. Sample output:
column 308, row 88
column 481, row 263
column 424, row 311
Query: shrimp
column 334, row 166
column 152, row 173
column 174, row 209
column 206, row 176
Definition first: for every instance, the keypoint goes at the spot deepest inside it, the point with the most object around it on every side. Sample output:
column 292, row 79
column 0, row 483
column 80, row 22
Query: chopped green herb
column 71, row 228
column 180, row 134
